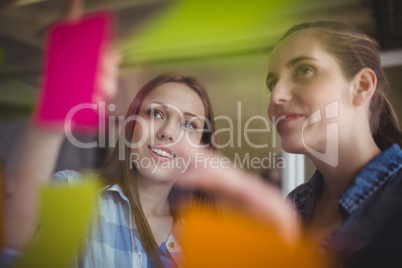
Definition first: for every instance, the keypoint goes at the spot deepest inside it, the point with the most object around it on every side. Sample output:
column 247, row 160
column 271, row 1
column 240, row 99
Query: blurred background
column 224, row 43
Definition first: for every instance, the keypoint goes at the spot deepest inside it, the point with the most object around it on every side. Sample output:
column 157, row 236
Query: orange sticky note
column 231, row 239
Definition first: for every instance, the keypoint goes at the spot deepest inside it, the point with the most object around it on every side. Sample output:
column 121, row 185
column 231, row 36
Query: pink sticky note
column 71, row 66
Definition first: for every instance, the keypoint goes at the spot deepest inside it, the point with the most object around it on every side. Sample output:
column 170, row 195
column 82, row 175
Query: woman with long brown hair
column 139, row 205
column 168, row 114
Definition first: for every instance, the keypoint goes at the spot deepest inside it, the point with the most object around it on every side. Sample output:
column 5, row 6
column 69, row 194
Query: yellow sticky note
column 66, row 214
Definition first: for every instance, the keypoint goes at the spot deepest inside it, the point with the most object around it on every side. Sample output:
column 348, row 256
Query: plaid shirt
column 371, row 211
column 113, row 240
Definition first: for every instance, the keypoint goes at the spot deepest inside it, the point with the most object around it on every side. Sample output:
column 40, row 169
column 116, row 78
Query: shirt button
column 171, row 244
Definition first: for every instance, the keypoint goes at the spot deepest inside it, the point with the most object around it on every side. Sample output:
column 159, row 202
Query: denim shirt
column 371, row 213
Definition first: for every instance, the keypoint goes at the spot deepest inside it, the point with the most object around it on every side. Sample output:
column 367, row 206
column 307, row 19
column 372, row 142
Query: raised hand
column 241, row 191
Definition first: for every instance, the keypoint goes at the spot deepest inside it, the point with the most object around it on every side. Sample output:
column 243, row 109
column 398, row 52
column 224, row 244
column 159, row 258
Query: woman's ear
column 364, row 86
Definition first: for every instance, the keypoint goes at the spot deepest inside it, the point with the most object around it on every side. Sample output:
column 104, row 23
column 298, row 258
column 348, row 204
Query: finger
column 210, row 170
column 202, row 157
column 115, row 56
column 244, row 192
column 107, row 78
column 110, row 70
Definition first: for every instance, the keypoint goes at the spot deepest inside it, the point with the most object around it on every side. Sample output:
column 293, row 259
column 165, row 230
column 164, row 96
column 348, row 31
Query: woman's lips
column 286, row 118
column 161, row 153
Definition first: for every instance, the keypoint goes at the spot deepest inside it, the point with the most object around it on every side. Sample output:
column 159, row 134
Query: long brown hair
column 355, row 50
column 121, row 172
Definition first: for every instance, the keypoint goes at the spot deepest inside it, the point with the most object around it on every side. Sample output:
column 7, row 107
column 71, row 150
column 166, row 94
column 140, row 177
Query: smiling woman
column 171, row 113
column 173, row 116
column 303, row 79
column 138, row 205
column 348, row 207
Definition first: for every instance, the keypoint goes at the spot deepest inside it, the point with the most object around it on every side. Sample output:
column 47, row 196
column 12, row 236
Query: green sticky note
column 194, row 28
column 66, row 213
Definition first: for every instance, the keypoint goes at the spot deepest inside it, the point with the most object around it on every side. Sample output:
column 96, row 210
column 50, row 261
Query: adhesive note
column 231, row 239
column 72, row 61
column 66, row 214
column 191, row 29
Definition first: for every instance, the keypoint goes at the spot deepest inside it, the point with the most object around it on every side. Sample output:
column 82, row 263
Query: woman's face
column 171, row 119
column 305, row 80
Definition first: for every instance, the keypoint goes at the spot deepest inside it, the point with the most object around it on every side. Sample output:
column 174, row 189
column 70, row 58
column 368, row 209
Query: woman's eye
column 155, row 113
column 271, row 84
column 303, row 70
column 189, row 125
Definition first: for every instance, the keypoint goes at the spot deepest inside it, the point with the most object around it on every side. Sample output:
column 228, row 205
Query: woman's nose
column 167, row 132
column 281, row 93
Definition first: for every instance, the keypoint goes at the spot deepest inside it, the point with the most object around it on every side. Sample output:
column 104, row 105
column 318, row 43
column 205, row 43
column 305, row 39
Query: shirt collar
column 371, row 178
column 115, row 188
column 304, row 197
